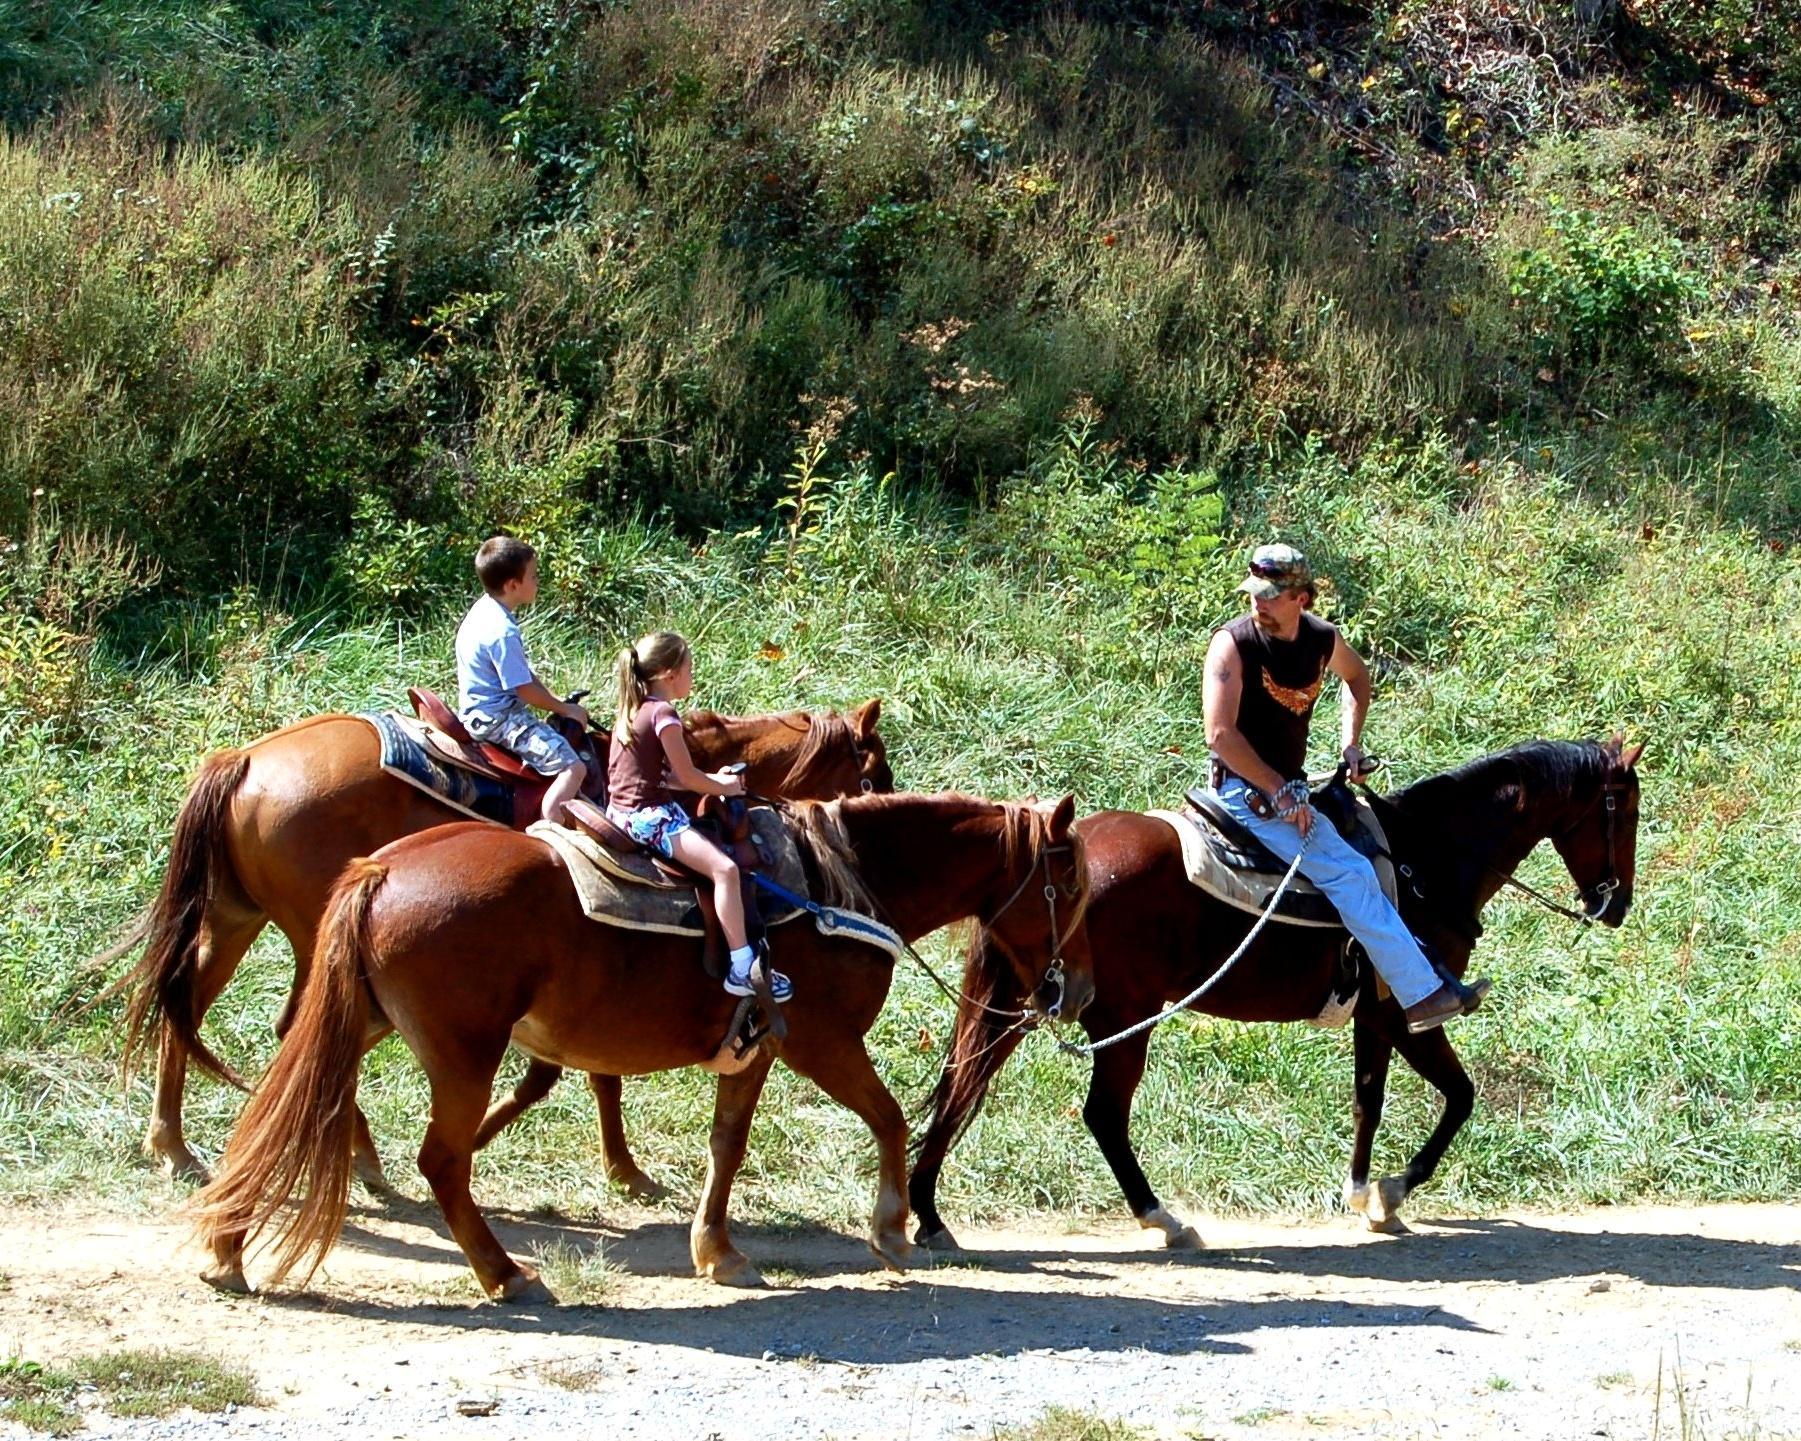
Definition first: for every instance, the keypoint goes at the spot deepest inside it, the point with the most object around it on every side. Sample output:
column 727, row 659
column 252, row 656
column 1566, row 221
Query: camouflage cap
column 1276, row 568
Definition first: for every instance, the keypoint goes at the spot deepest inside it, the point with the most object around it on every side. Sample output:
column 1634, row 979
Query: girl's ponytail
column 655, row 654
column 632, row 692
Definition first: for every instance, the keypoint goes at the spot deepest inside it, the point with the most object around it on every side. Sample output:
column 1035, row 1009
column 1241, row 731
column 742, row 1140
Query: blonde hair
column 637, row 666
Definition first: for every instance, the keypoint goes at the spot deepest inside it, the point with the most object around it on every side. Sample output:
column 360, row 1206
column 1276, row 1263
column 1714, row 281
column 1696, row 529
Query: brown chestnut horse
column 266, row 829
column 466, row 937
column 1456, row 838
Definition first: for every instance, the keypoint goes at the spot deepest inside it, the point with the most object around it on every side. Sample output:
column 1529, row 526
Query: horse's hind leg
column 533, row 1087
column 840, row 1066
column 460, row 1085
column 615, row 1150
column 709, row 1239
column 220, row 946
column 1108, row 1112
column 1431, row 1055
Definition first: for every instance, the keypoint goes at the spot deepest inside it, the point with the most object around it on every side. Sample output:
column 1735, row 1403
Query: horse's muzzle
column 1067, row 1001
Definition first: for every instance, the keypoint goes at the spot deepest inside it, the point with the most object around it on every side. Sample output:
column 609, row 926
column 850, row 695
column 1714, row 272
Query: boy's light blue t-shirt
column 491, row 663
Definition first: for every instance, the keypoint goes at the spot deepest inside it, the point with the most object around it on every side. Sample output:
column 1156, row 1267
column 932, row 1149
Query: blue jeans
column 1350, row 883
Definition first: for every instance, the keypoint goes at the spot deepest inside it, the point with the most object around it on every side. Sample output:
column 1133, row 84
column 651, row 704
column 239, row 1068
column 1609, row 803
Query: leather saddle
column 451, row 742
column 723, row 820
column 1225, row 859
column 1238, row 847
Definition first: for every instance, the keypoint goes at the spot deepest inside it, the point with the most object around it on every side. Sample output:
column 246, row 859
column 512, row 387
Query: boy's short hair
column 502, row 558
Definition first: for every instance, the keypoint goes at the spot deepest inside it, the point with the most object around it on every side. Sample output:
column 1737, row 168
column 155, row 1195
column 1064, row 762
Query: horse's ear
column 1613, row 743
column 865, row 716
column 1629, row 756
column 1062, row 817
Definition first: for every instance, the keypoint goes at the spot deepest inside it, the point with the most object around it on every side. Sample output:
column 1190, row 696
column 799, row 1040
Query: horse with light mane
column 267, row 828
column 465, row 938
column 1456, row 839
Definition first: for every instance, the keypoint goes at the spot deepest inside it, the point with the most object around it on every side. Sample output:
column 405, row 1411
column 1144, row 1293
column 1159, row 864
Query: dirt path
column 1528, row 1325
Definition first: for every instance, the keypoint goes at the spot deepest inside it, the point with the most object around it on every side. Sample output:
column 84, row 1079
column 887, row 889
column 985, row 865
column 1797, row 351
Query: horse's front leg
column 1371, row 1050
column 840, row 1066
column 1108, row 1114
column 961, row 1090
column 1431, row 1055
column 709, row 1239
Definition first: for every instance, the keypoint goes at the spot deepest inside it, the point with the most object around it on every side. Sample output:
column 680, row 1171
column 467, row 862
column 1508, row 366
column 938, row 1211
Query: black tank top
column 1282, row 680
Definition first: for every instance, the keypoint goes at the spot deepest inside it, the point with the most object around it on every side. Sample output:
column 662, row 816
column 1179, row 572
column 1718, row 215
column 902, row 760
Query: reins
column 1176, row 1008
column 1053, row 974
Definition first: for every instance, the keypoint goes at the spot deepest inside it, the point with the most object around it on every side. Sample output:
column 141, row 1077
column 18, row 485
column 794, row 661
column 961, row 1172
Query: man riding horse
column 1264, row 674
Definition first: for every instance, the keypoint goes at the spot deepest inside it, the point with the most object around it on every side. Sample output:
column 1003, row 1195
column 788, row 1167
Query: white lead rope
column 1205, row 986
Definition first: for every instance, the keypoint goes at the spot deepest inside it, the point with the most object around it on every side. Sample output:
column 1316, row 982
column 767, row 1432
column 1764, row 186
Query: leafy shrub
column 1598, row 289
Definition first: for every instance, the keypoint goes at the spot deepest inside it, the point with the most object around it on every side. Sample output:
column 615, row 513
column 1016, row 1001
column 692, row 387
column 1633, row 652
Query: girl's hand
column 730, row 783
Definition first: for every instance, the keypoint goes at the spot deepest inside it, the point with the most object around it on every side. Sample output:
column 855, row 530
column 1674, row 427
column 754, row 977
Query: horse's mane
column 1024, row 834
column 1559, row 770
column 828, row 735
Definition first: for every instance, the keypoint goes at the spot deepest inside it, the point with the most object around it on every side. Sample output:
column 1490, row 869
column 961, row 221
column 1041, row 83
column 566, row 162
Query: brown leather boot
column 1450, row 1000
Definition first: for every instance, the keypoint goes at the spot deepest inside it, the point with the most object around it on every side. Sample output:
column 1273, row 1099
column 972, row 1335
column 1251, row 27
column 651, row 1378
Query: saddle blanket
column 1303, row 903
column 406, row 755
column 614, row 896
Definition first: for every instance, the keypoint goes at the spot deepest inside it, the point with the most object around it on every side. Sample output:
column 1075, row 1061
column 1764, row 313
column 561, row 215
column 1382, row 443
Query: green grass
column 1065, row 1423
column 577, row 1277
column 134, row 1383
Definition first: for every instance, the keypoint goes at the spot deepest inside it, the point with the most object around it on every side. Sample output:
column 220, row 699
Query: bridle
column 1053, row 974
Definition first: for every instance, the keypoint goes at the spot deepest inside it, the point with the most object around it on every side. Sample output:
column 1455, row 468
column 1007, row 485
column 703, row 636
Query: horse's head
column 1038, row 925
column 840, row 756
column 1600, row 847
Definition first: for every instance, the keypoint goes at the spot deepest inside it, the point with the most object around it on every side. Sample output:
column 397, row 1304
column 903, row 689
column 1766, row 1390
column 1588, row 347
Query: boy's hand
column 579, row 713
column 731, row 782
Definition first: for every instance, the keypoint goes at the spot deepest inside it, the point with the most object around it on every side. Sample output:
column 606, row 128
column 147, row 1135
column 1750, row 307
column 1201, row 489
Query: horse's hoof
column 897, row 1253
column 183, row 1166
column 639, row 1187
column 939, row 1240
column 367, row 1169
column 1387, row 1225
column 526, row 1288
column 1177, row 1236
column 1385, row 1199
column 227, row 1278
column 734, row 1270
column 1356, row 1198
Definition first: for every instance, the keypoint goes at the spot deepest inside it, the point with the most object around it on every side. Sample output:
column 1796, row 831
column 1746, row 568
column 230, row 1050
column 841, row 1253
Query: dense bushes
column 311, row 294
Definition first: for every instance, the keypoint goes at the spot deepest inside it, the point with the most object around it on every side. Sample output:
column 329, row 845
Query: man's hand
column 1291, row 805
column 1300, row 817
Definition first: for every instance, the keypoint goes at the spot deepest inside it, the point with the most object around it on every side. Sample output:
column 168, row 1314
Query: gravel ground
column 1681, row 1323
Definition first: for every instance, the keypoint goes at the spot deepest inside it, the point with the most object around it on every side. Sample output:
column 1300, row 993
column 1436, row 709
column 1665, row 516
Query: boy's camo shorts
column 517, row 730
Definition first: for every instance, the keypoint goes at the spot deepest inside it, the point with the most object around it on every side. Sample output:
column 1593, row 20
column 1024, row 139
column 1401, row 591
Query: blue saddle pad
column 406, row 756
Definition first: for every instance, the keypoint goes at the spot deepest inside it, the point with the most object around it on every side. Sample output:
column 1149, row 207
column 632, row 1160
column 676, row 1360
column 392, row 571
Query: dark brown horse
column 1455, row 837
column 466, row 937
column 266, row 829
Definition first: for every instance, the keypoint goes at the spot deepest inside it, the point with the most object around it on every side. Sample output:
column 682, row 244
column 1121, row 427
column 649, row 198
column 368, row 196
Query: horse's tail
column 170, row 928
column 986, row 1012
column 296, row 1132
